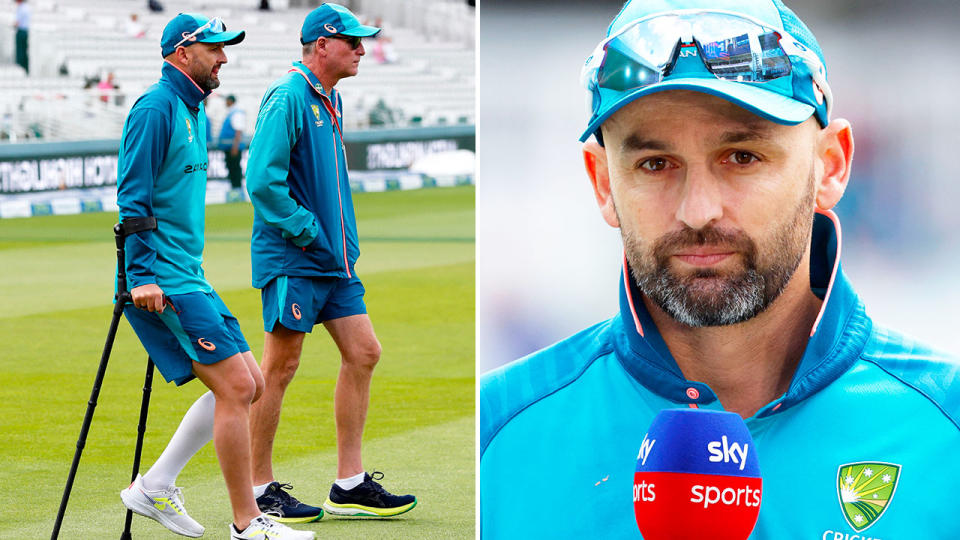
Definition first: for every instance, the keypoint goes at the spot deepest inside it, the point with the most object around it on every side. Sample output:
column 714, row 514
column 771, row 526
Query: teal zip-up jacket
column 304, row 222
column 868, row 412
column 162, row 172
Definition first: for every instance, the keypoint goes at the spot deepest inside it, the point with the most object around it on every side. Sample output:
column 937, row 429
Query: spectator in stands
column 6, row 125
column 134, row 28
column 231, row 140
column 108, row 87
column 154, row 6
column 382, row 47
column 381, row 115
column 22, row 24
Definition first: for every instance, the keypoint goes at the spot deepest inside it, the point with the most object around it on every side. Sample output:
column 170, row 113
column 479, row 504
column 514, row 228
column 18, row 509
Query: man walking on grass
column 178, row 316
column 304, row 248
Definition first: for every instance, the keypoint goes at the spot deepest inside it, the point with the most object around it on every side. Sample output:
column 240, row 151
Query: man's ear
column 835, row 152
column 595, row 159
column 182, row 56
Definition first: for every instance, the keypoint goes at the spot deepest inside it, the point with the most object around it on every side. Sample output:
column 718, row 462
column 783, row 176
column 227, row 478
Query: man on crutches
column 179, row 318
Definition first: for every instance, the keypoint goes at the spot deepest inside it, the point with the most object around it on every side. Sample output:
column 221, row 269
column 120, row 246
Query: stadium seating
column 74, row 41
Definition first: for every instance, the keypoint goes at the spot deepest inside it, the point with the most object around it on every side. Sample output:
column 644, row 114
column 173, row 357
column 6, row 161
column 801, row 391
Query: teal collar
column 836, row 339
column 182, row 85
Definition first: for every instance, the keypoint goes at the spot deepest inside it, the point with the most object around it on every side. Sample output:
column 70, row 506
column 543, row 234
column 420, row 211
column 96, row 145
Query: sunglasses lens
column 622, row 71
column 732, row 48
column 756, row 57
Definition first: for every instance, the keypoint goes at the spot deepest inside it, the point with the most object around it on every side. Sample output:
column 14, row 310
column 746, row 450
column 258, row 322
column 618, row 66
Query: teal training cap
column 332, row 19
column 187, row 28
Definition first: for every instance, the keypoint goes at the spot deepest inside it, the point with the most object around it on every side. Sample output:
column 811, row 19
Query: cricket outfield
column 417, row 264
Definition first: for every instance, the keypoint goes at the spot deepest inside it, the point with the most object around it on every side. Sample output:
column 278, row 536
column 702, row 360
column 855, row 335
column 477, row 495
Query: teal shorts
column 299, row 303
column 195, row 326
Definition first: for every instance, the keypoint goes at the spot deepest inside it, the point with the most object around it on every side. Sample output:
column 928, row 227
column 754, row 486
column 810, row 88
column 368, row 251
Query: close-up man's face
column 203, row 64
column 715, row 204
column 343, row 58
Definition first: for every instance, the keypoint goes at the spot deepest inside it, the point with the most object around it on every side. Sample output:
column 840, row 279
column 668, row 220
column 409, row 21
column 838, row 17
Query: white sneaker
column 164, row 506
column 264, row 528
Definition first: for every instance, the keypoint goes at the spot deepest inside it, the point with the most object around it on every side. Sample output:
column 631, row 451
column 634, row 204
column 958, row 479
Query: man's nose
column 700, row 201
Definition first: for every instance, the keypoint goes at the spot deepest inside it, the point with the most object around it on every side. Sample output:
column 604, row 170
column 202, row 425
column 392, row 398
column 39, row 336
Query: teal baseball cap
column 187, row 28
column 332, row 19
column 756, row 54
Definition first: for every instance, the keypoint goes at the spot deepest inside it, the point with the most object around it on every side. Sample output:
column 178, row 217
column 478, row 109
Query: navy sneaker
column 282, row 507
column 369, row 499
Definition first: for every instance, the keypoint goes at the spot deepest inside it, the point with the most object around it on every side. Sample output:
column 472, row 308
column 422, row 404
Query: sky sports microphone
column 697, row 477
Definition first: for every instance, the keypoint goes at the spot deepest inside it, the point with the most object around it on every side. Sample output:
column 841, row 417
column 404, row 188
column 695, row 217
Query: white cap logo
column 330, row 28
column 817, row 93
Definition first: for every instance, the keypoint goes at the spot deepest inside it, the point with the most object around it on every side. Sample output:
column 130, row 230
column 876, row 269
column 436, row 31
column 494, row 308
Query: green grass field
column 56, row 287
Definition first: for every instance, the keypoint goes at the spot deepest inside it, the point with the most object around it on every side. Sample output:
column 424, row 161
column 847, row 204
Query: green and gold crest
column 865, row 490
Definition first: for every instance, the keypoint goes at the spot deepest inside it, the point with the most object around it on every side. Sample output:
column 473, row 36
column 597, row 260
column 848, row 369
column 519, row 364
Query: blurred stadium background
column 89, row 61
column 548, row 264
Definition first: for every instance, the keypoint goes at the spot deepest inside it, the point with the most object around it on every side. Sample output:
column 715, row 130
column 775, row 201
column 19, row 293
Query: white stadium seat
column 432, row 79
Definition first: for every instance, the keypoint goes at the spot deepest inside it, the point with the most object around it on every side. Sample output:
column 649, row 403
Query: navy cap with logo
column 754, row 53
column 332, row 19
column 186, row 29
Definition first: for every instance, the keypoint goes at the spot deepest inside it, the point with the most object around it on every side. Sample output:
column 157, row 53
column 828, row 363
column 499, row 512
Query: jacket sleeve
column 144, row 147
column 279, row 124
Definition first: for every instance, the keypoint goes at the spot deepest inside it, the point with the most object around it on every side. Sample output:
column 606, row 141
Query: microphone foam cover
column 697, row 476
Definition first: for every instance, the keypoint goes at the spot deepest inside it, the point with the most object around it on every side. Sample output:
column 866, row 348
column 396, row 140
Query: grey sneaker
column 264, row 528
column 164, row 506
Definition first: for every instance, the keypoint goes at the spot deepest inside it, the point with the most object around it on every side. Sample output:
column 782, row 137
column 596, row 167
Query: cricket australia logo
column 865, row 490
column 316, row 113
column 189, row 131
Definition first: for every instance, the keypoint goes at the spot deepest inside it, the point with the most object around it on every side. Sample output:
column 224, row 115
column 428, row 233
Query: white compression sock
column 351, row 482
column 258, row 491
column 194, row 432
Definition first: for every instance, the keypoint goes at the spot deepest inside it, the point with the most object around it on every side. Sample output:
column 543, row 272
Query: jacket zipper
column 343, row 228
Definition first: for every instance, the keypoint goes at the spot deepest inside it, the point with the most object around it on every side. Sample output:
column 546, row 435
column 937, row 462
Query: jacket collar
column 313, row 81
column 836, row 339
column 182, row 85
column 329, row 101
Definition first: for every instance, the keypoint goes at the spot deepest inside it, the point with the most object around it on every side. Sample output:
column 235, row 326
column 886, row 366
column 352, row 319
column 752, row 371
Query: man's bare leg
column 234, row 388
column 281, row 357
column 355, row 493
column 359, row 354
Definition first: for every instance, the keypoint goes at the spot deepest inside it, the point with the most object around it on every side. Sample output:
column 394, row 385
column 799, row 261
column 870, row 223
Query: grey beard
column 208, row 84
column 738, row 300
column 729, row 300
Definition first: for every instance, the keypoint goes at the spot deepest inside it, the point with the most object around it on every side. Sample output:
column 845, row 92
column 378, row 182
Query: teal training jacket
column 865, row 444
column 162, row 172
column 303, row 223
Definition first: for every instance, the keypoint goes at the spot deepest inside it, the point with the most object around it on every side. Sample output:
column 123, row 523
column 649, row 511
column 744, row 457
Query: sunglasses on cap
column 732, row 46
column 353, row 41
column 215, row 25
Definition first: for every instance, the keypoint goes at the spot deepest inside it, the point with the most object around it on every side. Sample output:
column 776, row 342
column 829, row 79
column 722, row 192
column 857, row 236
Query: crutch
column 120, row 231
